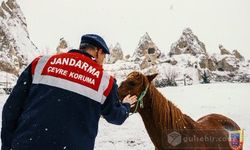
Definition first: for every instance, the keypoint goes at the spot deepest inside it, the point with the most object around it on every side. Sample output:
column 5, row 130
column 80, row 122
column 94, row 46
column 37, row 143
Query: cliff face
column 16, row 48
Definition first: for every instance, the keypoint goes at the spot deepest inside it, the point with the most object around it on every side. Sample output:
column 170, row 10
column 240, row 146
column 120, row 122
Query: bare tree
column 168, row 78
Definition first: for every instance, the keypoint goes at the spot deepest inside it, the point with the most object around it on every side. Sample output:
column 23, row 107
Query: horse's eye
column 131, row 83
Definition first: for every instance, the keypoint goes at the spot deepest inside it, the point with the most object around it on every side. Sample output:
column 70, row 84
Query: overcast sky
column 215, row 22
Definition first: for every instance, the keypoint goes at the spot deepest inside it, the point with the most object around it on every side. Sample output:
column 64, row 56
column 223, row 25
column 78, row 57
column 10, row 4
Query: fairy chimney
column 115, row 54
column 146, row 52
column 223, row 51
column 238, row 55
column 62, row 47
column 188, row 44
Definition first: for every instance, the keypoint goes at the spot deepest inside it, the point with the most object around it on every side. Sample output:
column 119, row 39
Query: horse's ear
column 151, row 77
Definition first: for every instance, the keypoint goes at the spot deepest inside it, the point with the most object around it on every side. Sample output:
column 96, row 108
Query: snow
column 7, row 77
column 230, row 99
column 27, row 48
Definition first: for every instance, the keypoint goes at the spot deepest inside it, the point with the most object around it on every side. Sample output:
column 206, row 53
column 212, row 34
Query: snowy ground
column 228, row 99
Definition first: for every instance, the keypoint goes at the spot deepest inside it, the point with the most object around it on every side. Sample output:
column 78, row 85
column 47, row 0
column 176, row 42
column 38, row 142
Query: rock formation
column 228, row 64
column 238, row 55
column 188, row 44
column 147, row 52
column 223, row 51
column 62, row 47
column 115, row 54
column 208, row 62
column 16, row 48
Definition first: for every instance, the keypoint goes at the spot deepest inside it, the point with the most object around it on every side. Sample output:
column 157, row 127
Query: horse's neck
column 161, row 112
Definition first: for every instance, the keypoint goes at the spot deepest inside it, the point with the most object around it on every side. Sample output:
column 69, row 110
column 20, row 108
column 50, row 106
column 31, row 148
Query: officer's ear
column 97, row 53
column 101, row 51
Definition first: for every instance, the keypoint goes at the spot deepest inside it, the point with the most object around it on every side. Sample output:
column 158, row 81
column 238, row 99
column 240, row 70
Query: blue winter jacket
column 57, row 103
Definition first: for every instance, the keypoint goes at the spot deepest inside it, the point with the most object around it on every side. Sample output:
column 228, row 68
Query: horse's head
column 135, row 84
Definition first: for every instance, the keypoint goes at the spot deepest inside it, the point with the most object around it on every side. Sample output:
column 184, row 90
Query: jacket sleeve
column 113, row 110
column 13, row 107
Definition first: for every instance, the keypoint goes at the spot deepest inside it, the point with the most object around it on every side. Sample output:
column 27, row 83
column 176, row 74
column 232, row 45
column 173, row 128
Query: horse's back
column 217, row 121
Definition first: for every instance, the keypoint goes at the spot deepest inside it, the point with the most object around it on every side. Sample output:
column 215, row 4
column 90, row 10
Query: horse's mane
column 164, row 112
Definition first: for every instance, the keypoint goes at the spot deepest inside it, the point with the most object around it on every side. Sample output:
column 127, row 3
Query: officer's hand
column 130, row 99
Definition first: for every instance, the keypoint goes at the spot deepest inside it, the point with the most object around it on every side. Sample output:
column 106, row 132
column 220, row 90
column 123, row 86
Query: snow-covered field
column 232, row 100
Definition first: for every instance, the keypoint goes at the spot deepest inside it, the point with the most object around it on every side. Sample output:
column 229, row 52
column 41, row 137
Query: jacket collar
column 82, row 52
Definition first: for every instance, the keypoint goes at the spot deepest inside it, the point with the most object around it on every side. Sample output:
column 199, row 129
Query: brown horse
column 168, row 127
